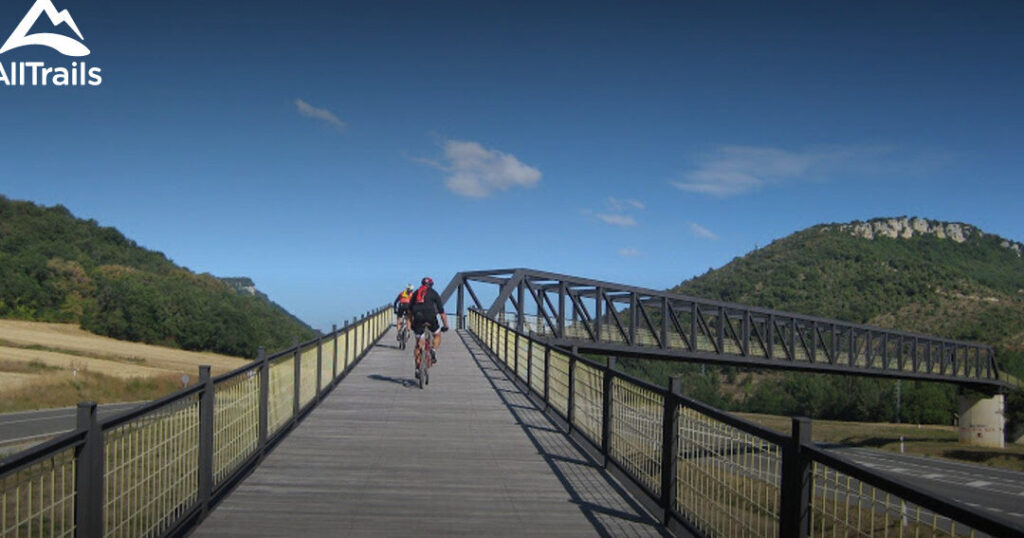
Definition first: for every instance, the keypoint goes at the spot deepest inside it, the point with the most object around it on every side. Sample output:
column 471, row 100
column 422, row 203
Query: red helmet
column 427, row 281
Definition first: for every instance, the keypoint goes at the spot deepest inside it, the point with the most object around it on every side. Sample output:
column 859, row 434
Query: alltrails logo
column 38, row 73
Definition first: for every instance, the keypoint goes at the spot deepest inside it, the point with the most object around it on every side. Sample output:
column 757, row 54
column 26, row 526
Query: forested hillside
column 56, row 267
column 946, row 279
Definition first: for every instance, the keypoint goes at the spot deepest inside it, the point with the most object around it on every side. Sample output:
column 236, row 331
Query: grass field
column 44, row 365
column 919, row 440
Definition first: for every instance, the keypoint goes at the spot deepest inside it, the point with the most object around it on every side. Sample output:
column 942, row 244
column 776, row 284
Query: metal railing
column 712, row 473
column 158, row 469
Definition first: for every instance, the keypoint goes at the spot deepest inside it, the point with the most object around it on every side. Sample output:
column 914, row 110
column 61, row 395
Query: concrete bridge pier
column 982, row 419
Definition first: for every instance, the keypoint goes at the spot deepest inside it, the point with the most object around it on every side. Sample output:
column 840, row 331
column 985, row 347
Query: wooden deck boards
column 468, row 456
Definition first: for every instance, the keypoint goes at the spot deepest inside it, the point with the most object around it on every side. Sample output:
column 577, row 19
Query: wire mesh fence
column 236, row 423
column 728, row 482
column 144, row 473
column 152, row 466
column 716, row 474
column 39, row 498
column 636, row 431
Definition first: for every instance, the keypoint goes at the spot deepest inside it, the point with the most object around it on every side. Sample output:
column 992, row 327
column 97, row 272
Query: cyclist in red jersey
column 424, row 308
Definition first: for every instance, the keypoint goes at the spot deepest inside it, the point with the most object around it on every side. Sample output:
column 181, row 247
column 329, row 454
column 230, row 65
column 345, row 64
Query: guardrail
column 158, row 469
column 714, row 474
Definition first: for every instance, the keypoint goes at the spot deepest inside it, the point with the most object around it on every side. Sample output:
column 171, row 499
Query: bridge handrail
column 709, row 472
column 156, row 470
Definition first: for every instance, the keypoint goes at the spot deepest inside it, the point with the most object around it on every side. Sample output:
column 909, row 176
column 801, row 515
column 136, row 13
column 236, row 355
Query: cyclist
column 423, row 311
column 402, row 306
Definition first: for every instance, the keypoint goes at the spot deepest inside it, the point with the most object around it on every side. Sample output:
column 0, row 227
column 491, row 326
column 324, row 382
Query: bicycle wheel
column 423, row 368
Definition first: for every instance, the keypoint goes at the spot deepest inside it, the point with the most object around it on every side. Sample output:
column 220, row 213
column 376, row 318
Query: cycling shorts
column 403, row 309
column 418, row 325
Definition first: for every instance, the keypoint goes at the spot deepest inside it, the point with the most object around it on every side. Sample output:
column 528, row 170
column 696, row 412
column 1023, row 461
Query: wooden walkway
column 468, row 456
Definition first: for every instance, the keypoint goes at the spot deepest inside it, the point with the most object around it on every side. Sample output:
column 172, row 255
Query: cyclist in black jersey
column 424, row 309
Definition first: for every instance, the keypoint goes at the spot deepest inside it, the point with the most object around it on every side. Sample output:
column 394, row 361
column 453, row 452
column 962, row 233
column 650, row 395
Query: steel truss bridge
column 593, row 316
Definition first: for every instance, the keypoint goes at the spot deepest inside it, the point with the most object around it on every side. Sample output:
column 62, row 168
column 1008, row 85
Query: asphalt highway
column 998, row 491
column 26, row 427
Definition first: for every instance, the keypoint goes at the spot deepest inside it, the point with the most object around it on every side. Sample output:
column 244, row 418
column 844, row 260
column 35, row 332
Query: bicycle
column 403, row 335
column 426, row 356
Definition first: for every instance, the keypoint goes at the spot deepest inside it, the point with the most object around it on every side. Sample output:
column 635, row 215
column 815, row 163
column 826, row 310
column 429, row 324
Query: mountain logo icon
column 61, row 43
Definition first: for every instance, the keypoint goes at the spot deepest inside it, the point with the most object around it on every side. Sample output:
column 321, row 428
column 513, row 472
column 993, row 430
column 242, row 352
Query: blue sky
column 335, row 151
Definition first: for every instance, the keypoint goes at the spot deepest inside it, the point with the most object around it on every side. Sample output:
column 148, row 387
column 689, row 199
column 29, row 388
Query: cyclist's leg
column 418, row 329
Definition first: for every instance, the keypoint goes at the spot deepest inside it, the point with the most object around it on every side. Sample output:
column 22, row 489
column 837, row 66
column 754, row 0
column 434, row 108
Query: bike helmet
column 408, row 287
column 427, row 281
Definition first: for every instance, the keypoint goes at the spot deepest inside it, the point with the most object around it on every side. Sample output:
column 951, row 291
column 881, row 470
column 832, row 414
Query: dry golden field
column 54, row 364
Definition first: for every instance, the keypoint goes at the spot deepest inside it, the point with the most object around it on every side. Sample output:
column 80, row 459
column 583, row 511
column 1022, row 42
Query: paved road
column 998, row 491
column 21, row 428
column 467, row 456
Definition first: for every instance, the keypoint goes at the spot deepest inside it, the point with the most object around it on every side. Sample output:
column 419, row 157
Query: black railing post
column 561, row 309
column 634, row 317
column 547, row 375
column 460, row 305
column 529, row 363
column 745, row 330
column 515, row 357
column 334, row 358
column 606, row 410
column 348, row 344
column 297, row 382
column 319, row 366
column 794, row 516
column 264, row 370
column 571, row 399
column 520, row 307
column 206, row 403
column 670, row 446
column 89, row 472
column 664, row 322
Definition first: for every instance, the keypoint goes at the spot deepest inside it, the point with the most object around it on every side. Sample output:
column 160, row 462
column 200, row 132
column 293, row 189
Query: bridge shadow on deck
column 606, row 505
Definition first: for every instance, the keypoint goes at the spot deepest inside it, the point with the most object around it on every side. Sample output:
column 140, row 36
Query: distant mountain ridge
column 945, row 278
column 56, row 267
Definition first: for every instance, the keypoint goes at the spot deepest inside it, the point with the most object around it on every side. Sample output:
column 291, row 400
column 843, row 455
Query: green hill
column 947, row 279
column 59, row 268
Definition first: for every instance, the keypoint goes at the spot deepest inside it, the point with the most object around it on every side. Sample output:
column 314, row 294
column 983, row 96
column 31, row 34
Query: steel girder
column 629, row 321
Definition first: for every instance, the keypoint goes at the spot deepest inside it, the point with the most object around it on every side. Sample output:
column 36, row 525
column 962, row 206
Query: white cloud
column 629, row 252
column 701, row 232
column 733, row 170
column 617, row 220
column 476, row 172
column 311, row 111
column 618, row 211
column 624, row 204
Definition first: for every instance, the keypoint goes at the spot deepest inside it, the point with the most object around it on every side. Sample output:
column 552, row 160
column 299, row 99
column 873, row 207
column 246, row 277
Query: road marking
column 993, row 509
column 898, row 470
column 932, row 476
column 978, row 484
column 1014, row 514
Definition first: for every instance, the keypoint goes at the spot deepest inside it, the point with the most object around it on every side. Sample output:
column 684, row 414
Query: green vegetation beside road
column 59, row 268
